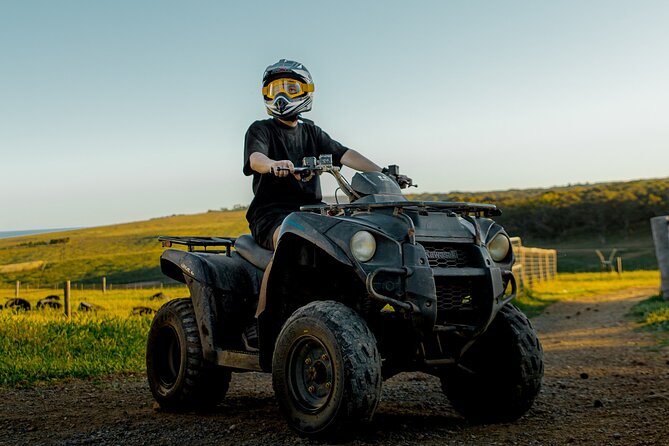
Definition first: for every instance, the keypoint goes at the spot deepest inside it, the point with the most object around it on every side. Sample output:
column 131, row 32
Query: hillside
column 123, row 253
column 574, row 219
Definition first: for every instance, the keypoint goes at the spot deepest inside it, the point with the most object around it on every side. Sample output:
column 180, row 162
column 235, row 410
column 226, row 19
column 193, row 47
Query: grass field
column 653, row 315
column 123, row 253
column 574, row 285
column 44, row 345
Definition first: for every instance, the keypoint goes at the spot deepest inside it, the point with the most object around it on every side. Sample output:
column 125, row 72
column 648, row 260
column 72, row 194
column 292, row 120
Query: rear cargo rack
column 200, row 242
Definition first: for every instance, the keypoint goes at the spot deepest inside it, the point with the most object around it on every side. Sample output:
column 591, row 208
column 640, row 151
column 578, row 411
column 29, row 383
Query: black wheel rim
column 167, row 356
column 311, row 374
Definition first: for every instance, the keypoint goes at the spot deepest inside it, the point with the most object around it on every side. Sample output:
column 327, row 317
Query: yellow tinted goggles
column 290, row 87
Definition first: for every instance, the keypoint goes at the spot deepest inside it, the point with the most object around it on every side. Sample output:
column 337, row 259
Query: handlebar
column 300, row 169
column 306, row 172
column 312, row 166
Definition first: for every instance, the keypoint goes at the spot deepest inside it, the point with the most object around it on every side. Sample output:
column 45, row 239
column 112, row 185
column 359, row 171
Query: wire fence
column 102, row 286
column 533, row 265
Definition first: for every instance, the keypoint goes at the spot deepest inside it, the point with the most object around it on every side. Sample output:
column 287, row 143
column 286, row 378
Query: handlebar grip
column 298, row 169
column 302, row 169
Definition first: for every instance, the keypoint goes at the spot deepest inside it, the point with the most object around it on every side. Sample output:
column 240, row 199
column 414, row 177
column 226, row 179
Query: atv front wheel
column 500, row 375
column 326, row 369
column 178, row 375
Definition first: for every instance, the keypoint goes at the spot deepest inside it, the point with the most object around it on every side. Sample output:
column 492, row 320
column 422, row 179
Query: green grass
column 532, row 303
column 652, row 314
column 39, row 347
column 569, row 286
column 44, row 345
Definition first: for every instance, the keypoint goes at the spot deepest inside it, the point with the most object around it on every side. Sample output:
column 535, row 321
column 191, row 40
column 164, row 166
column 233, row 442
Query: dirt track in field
column 605, row 383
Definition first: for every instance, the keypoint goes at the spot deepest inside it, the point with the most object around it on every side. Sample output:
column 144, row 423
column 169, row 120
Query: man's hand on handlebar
column 304, row 173
column 282, row 168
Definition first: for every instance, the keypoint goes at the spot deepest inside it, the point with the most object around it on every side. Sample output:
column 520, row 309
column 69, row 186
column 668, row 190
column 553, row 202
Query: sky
column 121, row 111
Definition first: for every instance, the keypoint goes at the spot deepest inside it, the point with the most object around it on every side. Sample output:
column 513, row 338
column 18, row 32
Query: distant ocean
column 7, row 234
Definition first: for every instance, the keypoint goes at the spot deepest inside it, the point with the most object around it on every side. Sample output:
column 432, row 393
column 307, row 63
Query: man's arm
column 356, row 161
column 261, row 163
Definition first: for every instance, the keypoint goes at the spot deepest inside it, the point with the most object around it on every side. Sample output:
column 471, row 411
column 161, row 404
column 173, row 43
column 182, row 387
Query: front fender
column 313, row 261
column 312, row 228
column 299, row 235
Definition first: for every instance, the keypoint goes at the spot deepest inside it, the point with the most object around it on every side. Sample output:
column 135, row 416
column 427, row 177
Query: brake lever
column 405, row 182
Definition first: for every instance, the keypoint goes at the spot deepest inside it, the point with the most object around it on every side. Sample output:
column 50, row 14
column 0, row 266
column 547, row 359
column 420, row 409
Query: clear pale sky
column 127, row 110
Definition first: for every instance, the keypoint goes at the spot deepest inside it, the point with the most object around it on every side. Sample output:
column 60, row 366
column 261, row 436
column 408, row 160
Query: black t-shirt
column 281, row 142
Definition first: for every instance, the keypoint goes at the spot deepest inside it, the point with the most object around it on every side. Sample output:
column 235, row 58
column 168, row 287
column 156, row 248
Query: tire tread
column 487, row 400
column 203, row 384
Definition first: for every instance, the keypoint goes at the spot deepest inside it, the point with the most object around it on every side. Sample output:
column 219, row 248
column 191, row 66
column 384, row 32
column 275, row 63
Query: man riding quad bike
column 354, row 293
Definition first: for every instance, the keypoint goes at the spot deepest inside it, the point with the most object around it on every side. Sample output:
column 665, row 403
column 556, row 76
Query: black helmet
column 287, row 89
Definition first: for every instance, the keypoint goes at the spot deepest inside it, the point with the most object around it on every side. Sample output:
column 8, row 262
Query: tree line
column 559, row 213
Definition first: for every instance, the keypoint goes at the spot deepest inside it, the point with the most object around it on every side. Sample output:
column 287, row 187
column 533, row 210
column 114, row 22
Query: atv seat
column 247, row 247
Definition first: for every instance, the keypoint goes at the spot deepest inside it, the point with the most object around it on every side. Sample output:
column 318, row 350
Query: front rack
column 457, row 207
column 203, row 242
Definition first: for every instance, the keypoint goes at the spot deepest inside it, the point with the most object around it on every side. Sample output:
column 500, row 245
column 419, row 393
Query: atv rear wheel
column 326, row 369
column 178, row 375
column 500, row 375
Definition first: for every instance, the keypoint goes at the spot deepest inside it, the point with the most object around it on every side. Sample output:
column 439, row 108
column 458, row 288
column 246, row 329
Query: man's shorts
column 263, row 228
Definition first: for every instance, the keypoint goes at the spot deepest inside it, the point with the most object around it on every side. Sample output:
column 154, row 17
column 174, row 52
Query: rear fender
column 227, row 273
column 221, row 287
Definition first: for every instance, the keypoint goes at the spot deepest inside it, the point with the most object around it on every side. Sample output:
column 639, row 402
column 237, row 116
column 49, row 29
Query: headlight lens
column 499, row 247
column 363, row 246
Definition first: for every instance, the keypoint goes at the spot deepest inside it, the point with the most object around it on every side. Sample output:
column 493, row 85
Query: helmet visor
column 290, row 87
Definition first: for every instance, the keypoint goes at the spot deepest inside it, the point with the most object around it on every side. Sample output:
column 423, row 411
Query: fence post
column 555, row 263
column 660, row 228
column 104, row 285
column 18, row 288
column 66, row 300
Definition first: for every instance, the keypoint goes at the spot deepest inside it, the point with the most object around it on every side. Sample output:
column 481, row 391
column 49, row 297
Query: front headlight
column 499, row 247
column 363, row 246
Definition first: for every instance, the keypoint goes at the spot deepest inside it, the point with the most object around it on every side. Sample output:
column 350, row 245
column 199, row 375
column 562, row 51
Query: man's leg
column 275, row 236
column 250, row 335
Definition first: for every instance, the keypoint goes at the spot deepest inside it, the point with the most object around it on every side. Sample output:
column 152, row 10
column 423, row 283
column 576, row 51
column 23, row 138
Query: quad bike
column 353, row 294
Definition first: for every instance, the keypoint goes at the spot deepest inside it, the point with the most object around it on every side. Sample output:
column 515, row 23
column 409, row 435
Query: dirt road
column 604, row 384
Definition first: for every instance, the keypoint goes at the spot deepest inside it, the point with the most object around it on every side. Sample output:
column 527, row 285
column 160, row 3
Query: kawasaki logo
column 442, row 255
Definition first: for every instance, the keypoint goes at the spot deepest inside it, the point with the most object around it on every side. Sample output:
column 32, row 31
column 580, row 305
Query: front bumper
column 444, row 297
